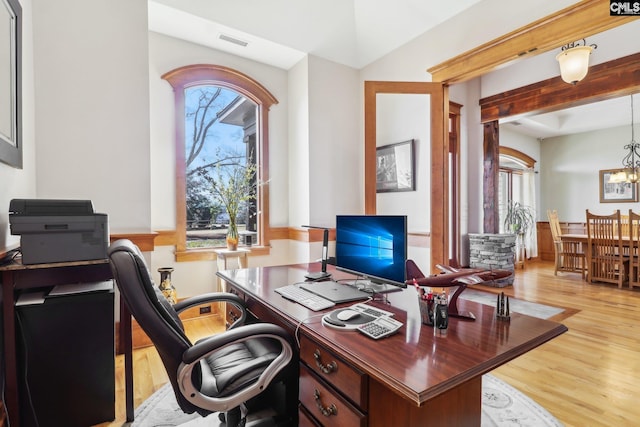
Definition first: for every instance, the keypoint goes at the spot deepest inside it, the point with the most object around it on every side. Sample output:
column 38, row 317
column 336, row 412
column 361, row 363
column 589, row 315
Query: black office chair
column 247, row 364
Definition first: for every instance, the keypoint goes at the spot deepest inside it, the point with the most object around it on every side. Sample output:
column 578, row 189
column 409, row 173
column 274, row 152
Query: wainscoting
column 545, row 241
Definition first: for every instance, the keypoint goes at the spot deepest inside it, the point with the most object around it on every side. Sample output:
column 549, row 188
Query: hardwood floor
column 589, row 376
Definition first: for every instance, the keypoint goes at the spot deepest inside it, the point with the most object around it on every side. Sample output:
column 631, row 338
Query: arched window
column 221, row 118
column 517, row 184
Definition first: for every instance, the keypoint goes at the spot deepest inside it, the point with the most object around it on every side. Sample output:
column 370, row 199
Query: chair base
column 237, row 418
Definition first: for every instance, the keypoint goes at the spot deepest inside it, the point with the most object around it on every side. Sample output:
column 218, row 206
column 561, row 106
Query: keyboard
column 303, row 297
column 371, row 311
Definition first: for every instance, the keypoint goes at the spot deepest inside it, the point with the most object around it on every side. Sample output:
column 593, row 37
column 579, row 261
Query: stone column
column 493, row 251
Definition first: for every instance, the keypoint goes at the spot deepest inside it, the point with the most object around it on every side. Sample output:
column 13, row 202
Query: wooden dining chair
column 606, row 260
column 569, row 256
column 624, row 225
column 634, row 249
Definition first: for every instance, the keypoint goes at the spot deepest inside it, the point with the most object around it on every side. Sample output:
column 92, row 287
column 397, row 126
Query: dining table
column 583, row 238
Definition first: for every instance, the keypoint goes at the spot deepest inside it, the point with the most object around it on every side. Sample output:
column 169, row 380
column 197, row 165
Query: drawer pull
column 327, row 369
column 233, row 316
column 328, row 411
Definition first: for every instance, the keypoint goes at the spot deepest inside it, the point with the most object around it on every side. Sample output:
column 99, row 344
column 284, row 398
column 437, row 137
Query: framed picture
column 395, row 167
column 616, row 192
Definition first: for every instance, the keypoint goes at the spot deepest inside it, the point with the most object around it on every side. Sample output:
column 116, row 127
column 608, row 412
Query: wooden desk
column 16, row 277
column 412, row 378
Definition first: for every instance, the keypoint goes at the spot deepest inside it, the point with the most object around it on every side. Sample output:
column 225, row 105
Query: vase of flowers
column 232, row 184
column 232, row 234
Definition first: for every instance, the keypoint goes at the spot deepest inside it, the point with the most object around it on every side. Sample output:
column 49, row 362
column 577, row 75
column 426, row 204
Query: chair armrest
column 207, row 345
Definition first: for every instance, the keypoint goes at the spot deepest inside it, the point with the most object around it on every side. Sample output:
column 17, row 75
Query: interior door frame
column 439, row 203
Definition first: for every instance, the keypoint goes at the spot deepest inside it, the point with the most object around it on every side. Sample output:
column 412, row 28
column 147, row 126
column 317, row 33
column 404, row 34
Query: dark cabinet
column 66, row 360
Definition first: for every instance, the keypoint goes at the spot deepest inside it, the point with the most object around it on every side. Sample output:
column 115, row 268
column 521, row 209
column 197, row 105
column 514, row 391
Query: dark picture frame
column 616, row 192
column 11, row 83
column 395, row 167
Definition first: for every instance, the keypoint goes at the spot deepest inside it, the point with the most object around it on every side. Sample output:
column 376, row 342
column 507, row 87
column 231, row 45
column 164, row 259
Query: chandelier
column 574, row 61
column 630, row 162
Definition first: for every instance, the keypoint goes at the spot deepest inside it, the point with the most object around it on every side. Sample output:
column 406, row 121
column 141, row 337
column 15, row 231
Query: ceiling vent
column 233, row 40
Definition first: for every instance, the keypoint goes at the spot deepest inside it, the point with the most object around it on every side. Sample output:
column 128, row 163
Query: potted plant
column 232, row 184
column 519, row 219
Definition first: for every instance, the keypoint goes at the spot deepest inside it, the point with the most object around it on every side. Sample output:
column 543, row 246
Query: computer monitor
column 373, row 246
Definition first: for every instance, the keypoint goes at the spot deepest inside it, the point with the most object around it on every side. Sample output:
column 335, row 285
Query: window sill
column 208, row 254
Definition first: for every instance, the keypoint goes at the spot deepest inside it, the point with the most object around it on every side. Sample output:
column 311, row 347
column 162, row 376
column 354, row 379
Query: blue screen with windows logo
column 374, row 246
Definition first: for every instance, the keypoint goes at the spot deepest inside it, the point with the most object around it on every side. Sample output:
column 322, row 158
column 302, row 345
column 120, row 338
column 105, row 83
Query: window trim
column 200, row 74
column 528, row 161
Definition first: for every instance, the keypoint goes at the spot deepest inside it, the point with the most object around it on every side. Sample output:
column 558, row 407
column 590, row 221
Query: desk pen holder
column 426, row 310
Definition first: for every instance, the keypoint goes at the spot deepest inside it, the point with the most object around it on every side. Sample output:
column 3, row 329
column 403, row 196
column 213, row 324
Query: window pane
column 220, row 160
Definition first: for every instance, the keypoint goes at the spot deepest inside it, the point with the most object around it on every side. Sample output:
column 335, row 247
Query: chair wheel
column 233, row 418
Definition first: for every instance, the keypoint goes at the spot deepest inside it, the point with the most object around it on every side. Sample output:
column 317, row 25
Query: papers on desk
column 39, row 297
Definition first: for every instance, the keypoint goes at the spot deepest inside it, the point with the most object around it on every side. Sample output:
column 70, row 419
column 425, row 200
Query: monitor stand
column 318, row 275
column 367, row 285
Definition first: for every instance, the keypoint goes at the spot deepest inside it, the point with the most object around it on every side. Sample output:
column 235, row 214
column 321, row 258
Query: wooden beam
column 576, row 22
column 604, row 81
column 491, row 177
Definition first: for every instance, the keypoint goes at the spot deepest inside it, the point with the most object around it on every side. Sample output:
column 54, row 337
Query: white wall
column 570, row 172
column 92, row 106
column 336, row 156
column 21, row 183
column 478, row 24
column 299, row 175
column 402, row 117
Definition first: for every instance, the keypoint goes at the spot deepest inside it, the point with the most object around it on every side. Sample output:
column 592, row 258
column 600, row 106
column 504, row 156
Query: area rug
column 502, row 406
column 532, row 309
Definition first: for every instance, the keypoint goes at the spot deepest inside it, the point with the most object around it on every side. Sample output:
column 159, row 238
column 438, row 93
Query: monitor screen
column 374, row 246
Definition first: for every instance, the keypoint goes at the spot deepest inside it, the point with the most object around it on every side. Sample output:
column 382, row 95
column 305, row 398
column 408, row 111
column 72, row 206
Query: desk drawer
column 236, row 291
column 305, row 419
column 232, row 314
column 325, row 404
column 348, row 380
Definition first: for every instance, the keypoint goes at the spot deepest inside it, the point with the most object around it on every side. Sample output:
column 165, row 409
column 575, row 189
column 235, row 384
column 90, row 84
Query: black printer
column 58, row 230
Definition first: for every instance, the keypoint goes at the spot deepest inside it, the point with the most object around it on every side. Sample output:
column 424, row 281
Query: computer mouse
column 347, row 314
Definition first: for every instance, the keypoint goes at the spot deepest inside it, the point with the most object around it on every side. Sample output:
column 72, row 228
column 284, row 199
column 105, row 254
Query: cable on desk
column 10, row 256
column 295, row 334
